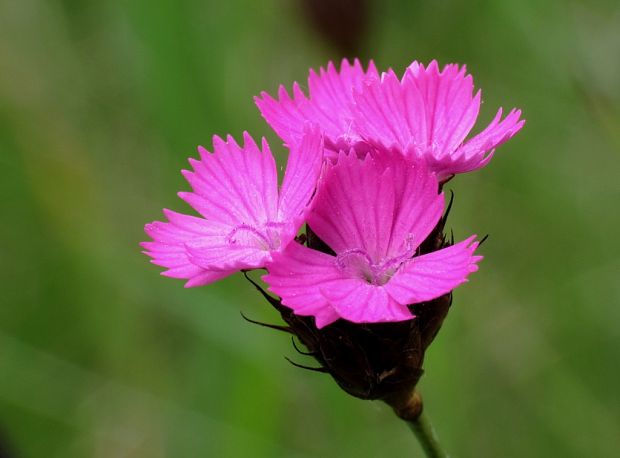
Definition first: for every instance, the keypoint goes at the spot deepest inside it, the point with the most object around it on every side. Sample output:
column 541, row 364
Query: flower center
column 264, row 238
column 357, row 263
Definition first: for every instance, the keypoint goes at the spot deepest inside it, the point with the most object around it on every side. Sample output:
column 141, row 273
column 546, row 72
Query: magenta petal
column 302, row 171
column 284, row 114
column 206, row 278
column 331, row 95
column 328, row 104
column 388, row 114
column 333, row 90
column 234, row 183
column 360, row 302
column 473, row 154
column 220, row 255
column 325, row 316
column 450, row 107
column 296, row 276
column 419, row 206
column 429, row 276
column 354, row 206
column 380, row 205
column 168, row 246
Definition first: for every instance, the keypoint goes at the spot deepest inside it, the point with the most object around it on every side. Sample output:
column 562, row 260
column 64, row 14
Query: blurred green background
column 101, row 103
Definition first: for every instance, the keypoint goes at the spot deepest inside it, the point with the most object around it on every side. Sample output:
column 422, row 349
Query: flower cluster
column 368, row 155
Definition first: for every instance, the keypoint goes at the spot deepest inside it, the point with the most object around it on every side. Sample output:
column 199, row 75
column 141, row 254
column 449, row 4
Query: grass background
column 100, row 105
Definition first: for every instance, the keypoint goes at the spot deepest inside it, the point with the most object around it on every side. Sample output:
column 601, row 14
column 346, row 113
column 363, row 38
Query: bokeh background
column 101, row 103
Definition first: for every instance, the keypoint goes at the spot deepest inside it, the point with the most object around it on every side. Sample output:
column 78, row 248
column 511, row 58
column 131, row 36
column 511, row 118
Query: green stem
column 427, row 437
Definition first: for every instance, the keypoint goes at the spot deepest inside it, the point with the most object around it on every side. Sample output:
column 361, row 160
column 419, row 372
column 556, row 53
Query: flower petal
column 302, row 171
column 207, row 277
column 331, row 95
column 219, row 254
column 328, row 104
column 234, row 184
column 360, row 302
column 450, row 110
column 388, row 114
column 296, row 276
column 381, row 205
column 419, row 205
column 429, row 276
column 473, row 154
column 354, row 206
column 168, row 247
column 284, row 114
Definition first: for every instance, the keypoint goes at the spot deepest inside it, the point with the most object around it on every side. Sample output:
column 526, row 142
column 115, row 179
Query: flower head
column 426, row 114
column 367, row 287
column 373, row 214
column 244, row 219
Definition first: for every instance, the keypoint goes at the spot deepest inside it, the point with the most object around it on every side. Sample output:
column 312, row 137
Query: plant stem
column 427, row 437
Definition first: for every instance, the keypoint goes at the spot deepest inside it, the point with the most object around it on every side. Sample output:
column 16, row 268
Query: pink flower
column 373, row 214
column 329, row 104
column 427, row 114
column 244, row 220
